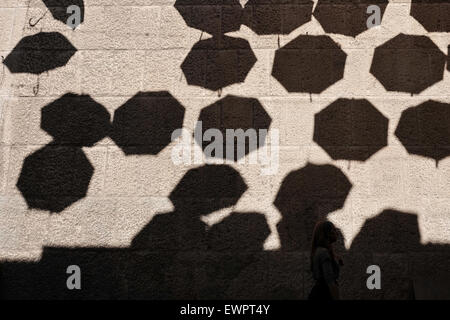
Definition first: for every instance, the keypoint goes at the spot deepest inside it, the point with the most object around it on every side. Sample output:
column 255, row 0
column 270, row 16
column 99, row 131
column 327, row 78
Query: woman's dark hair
column 320, row 238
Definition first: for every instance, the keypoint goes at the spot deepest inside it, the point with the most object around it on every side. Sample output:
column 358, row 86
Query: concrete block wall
column 124, row 47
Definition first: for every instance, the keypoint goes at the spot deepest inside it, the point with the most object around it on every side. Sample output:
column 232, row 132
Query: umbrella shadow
column 432, row 15
column 309, row 64
column 351, row 129
column 218, row 62
column 145, row 123
column 307, row 196
column 269, row 17
column 346, row 17
column 59, row 174
column 59, row 9
column 408, row 63
column 425, row 130
column 40, row 53
column 215, row 17
column 234, row 113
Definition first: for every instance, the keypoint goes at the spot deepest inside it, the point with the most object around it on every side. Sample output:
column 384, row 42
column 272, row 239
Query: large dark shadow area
column 58, row 9
column 425, row 130
column 309, row 64
column 266, row 17
column 351, row 129
column 433, row 15
column 410, row 269
column 408, row 63
column 218, row 62
column 145, row 123
column 347, row 17
column 178, row 256
column 234, row 113
column 39, row 53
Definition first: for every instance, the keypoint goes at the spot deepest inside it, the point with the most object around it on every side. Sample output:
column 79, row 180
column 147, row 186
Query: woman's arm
column 334, row 290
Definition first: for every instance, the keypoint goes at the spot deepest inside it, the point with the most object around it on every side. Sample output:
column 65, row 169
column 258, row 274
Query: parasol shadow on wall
column 309, row 64
column 215, row 17
column 218, row 62
column 40, row 53
column 408, row 63
column 145, row 123
column 58, row 175
column 425, row 130
column 306, row 196
column 276, row 17
column 240, row 115
column 60, row 9
column 346, row 17
column 351, row 129
column 433, row 15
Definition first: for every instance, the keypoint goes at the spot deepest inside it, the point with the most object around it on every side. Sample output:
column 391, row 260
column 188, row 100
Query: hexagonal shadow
column 433, row 15
column 246, row 120
column 55, row 177
column 408, row 63
column 306, row 196
column 218, row 62
column 145, row 123
column 309, row 64
column 346, row 17
column 351, row 129
column 75, row 120
column 266, row 17
column 215, row 17
column 425, row 130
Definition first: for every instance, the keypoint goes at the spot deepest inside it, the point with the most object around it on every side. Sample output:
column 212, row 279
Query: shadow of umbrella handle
column 38, row 20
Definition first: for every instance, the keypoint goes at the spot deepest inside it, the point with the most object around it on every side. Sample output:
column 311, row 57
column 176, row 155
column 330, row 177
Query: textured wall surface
column 90, row 181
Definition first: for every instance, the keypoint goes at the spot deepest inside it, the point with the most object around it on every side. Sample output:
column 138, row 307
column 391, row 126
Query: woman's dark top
column 324, row 267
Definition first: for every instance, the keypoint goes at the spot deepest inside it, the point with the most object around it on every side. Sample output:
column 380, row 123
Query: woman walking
column 324, row 267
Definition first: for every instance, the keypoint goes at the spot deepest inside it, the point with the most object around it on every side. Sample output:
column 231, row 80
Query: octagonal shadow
column 218, row 62
column 408, row 63
column 145, row 123
column 351, row 129
column 309, row 64
column 55, row 177
column 266, row 17
column 75, row 120
column 245, row 117
column 425, row 130
column 346, row 17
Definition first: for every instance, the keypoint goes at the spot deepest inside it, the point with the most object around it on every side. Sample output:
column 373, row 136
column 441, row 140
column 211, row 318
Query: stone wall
column 87, row 175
